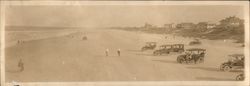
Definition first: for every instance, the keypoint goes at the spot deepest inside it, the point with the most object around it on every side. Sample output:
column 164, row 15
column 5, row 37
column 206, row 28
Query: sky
column 116, row 15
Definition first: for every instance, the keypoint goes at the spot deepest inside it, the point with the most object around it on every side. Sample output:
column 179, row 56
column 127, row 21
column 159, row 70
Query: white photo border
column 134, row 83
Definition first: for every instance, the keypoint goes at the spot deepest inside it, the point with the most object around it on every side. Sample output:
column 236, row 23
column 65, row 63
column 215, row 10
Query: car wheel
column 226, row 68
column 178, row 60
column 201, row 60
column 221, row 67
column 240, row 77
column 156, row 53
column 142, row 50
column 182, row 61
column 191, row 43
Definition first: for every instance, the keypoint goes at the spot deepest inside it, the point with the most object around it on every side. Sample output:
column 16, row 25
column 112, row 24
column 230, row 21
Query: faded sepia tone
column 96, row 43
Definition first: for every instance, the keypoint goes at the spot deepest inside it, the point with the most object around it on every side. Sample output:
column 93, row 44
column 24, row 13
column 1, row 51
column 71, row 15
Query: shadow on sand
column 205, row 68
column 212, row 69
column 134, row 50
column 166, row 61
column 144, row 54
column 213, row 79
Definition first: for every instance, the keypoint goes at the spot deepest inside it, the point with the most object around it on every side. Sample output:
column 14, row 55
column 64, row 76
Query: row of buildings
column 184, row 25
column 228, row 22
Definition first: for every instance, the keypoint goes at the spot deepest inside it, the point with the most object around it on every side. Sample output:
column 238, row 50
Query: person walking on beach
column 119, row 52
column 107, row 52
column 21, row 65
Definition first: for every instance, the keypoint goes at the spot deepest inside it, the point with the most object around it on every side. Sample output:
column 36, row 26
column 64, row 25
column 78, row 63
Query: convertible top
column 178, row 44
column 165, row 45
column 151, row 42
column 196, row 49
column 237, row 55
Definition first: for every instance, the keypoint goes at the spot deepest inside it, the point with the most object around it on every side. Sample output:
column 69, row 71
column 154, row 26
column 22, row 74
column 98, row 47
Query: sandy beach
column 65, row 57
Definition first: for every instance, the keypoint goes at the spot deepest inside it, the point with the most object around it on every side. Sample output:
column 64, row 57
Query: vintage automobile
column 149, row 46
column 84, row 38
column 166, row 49
column 192, row 55
column 235, row 61
column 195, row 42
column 240, row 77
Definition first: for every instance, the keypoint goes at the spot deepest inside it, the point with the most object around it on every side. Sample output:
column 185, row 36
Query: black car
column 149, row 46
column 192, row 55
column 236, row 61
column 195, row 42
column 166, row 49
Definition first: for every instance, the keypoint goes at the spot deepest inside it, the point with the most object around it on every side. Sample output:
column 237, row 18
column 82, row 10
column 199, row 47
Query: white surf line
column 14, row 42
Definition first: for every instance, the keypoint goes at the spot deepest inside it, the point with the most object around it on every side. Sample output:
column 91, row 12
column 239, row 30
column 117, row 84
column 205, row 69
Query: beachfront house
column 169, row 26
column 211, row 25
column 232, row 21
column 185, row 26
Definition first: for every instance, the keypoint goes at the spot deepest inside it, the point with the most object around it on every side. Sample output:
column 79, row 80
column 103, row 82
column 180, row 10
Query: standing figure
column 107, row 52
column 119, row 52
column 21, row 65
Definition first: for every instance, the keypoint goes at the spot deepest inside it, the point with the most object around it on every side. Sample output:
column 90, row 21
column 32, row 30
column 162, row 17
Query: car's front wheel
column 143, row 49
column 180, row 59
column 221, row 67
column 156, row 53
column 226, row 68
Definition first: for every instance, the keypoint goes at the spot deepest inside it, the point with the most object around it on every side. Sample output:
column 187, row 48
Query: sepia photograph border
column 3, row 4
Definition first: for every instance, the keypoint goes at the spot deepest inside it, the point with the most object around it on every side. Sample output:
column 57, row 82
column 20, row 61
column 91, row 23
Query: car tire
column 221, row 67
column 201, row 60
column 226, row 68
column 182, row 61
column 156, row 53
column 178, row 60
column 180, row 51
column 240, row 77
column 191, row 43
column 143, row 49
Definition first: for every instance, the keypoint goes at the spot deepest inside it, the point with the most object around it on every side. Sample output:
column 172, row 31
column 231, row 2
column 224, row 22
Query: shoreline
column 38, row 35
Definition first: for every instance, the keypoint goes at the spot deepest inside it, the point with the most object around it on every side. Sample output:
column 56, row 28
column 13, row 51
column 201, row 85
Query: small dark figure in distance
column 84, row 38
column 119, row 52
column 21, row 65
column 107, row 52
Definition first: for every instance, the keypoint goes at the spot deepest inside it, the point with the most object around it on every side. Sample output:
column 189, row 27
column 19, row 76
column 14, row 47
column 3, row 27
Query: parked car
column 149, row 46
column 192, row 55
column 166, row 49
column 84, row 38
column 195, row 42
column 235, row 61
